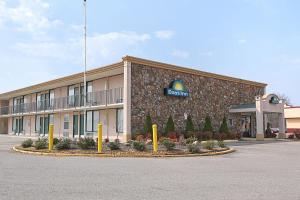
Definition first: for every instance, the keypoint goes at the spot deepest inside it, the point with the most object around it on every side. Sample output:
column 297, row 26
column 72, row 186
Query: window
column 51, row 99
column 89, row 121
column 66, row 121
column 37, row 123
column 89, row 90
column 230, row 122
column 51, row 119
column 96, row 120
column 92, row 120
column 119, row 124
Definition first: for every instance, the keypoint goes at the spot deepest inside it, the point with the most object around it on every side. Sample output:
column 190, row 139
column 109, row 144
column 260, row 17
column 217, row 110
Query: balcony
column 94, row 99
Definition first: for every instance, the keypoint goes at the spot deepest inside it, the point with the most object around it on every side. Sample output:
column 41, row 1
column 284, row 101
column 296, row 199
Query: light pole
column 84, row 73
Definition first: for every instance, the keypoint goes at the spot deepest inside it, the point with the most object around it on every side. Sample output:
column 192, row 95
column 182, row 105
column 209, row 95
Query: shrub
column 170, row 145
column 190, row 140
column 193, row 148
column 139, row 146
column 221, row 144
column 220, row 136
column 140, row 138
column 169, row 126
column 224, row 126
column 41, row 143
column 55, row 141
column 113, row 146
column 173, row 136
column 297, row 134
column 148, row 126
column 106, row 140
column 202, row 136
column 64, row 143
column 292, row 136
column 209, row 144
column 86, row 143
column 207, row 125
column 27, row 143
column 161, row 139
column 189, row 124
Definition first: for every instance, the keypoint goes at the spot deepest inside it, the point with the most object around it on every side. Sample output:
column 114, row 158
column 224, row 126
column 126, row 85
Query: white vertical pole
column 84, row 74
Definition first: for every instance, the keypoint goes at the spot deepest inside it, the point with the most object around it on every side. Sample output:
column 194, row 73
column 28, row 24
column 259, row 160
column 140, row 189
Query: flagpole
column 84, row 73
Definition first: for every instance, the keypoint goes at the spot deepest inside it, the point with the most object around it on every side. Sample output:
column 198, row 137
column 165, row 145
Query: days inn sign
column 177, row 89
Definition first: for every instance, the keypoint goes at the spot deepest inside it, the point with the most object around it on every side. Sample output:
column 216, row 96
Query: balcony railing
column 100, row 98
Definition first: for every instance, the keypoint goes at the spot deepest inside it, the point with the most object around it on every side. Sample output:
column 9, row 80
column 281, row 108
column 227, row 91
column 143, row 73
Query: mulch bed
column 121, row 153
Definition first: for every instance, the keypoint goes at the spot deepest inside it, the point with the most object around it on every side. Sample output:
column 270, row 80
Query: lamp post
column 84, row 73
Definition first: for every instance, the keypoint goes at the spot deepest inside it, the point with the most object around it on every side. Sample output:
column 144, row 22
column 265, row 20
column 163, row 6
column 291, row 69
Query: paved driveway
column 254, row 172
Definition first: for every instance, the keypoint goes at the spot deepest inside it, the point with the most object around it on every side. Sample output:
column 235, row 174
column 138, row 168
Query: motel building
column 292, row 118
column 121, row 95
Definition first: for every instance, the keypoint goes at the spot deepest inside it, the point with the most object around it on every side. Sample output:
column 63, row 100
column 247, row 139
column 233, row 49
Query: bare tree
column 285, row 98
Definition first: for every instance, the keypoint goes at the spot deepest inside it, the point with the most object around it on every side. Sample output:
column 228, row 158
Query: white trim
column 127, row 101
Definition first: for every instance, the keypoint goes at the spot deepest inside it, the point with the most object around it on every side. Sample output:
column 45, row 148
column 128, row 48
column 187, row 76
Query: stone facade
column 208, row 96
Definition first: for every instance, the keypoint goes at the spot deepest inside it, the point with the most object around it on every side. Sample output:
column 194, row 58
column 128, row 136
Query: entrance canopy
column 267, row 109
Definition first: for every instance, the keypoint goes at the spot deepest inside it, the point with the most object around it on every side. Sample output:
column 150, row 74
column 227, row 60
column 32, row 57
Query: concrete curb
column 230, row 150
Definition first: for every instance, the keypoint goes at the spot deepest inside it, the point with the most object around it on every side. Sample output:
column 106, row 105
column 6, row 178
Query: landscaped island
column 169, row 143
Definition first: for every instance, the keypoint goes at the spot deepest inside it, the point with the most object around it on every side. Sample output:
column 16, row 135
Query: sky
column 257, row 40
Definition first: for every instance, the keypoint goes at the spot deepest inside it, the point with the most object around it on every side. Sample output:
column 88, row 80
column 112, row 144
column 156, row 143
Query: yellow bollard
column 99, row 138
column 50, row 136
column 155, row 145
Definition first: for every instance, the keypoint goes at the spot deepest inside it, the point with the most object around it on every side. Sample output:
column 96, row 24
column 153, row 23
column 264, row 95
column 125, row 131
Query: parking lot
column 265, row 170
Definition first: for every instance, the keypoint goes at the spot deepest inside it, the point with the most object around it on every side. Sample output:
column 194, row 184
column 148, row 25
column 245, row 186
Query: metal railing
column 100, row 98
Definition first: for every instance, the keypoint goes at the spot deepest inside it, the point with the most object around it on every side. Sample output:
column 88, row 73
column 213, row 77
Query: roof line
column 189, row 70
column 65, row 78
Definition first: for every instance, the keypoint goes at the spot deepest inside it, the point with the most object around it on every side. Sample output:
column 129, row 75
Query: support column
column 281, row 134
column 259, row 120
column 127, row 102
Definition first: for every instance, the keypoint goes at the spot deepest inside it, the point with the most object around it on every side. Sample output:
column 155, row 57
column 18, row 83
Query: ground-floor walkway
column 258, row 170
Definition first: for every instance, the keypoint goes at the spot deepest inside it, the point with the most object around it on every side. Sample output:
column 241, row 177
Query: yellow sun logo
column 178, row 86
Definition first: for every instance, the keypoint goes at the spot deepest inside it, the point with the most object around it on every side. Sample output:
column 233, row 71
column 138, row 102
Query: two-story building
column 121, row 95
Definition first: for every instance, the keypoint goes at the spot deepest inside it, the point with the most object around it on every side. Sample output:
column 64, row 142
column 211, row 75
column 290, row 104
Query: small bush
column 190, row 140
column 221, row 144
column 170, row 127
column 41, row 143
column 113, row 146
column 27, row 143
column 193, row 148
column 86, row 143
column 210, row 144
column 148, row 126
column 203, row 136
column 62, row 144
column 140, row 138
column 297, row 134
column 173, row 136
column 224, row 126
column 189, row 124
column 106, row 140
column 207, row 125
column 55, row 141
column 139, row 146
column 170, row 145
column 292, row 136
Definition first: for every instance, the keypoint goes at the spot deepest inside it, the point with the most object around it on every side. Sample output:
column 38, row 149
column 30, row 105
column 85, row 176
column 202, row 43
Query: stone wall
column 208, row 96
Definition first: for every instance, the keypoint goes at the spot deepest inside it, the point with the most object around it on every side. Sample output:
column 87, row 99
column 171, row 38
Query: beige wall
column 3, row 125
column 292, row 112
column 293, row 123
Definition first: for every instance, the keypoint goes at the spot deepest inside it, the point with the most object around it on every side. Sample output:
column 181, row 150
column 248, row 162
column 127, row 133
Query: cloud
column 28, row 16
column 101, row 48
column 164, row 34
column 242, row 41
column 180, row 54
